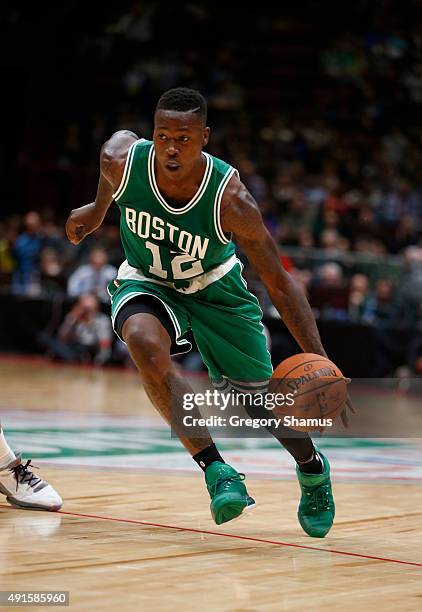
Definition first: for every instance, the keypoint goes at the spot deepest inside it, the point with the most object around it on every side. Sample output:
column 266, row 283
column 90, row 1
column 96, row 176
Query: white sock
column 6, row 453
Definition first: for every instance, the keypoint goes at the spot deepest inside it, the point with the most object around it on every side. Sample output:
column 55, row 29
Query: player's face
column 178, row 141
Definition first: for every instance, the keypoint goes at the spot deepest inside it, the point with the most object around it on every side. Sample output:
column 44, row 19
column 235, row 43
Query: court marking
column 237, row 537
column 393, row 480
column 57, row 442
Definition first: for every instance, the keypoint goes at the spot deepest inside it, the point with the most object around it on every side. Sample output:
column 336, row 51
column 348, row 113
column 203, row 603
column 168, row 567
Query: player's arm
column 86, row 219
column 241, row 216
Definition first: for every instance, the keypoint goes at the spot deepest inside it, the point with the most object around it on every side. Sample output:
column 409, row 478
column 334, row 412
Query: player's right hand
column 348, row 406
column 80, row 223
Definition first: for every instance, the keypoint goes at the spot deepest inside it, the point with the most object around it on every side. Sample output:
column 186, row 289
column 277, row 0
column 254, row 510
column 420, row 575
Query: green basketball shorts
column 225, row 319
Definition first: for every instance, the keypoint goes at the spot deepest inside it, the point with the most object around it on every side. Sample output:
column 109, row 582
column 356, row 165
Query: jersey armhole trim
column 126, row 173
column 217, row 205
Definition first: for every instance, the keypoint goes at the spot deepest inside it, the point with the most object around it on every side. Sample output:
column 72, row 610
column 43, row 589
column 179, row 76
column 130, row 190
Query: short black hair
column 183, row 99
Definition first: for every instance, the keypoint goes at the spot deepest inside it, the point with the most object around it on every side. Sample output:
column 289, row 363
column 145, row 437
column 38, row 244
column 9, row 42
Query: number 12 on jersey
column 176, row 264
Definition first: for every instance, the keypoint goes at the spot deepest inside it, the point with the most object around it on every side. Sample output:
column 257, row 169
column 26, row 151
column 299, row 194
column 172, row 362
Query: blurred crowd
column 320, row 116
column 37, row 262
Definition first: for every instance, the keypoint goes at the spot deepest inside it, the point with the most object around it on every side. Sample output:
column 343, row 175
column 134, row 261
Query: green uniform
column 181, row 257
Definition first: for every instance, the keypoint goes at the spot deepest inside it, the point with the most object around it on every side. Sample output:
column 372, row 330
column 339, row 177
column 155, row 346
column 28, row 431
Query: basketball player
column 180, row 208
column 23, row 488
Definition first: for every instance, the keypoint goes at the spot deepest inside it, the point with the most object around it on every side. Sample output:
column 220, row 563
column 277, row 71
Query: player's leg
column 229, row 334
column 22, row 487
column 150, row 325
column 149, row 345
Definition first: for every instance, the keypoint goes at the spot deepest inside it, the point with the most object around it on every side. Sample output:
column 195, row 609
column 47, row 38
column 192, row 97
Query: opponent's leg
column 23, row 488
column 7, row 456
column 149, row 345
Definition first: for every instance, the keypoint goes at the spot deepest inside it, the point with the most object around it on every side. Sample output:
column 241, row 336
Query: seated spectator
column 85, row 336
column 305, row 239
column 52, row 281
column 379, row 309
column 359, row 295
column 330, row 241
column 330, row 274
column 26, row 252
column 406, row 234
column 409, row 293
column 6, row 259
column 414, row 356
column 328, row 293
column 92, row 277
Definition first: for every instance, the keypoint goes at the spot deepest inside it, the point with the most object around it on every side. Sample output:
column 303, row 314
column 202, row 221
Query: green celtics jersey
column 165, row 243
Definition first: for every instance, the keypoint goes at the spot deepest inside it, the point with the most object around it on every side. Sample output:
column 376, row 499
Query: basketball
column 316, row 387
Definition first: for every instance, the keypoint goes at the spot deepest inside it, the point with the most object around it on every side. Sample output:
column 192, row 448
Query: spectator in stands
column 358, row 296
column 92, row 277
column 305, row 239
column 330, row 274
column 51, row 281
column 394, row 204
column 6, row 259
column 329, row 292
column 26, row 252
column 330, row 241
column 85, row 336
column 379, row 308
column 406, row 233
column 409, row 296
column 414, row 358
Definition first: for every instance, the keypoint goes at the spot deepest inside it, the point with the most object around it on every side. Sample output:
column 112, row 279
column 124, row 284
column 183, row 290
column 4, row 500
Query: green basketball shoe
column 316, row 508
column 229, row 497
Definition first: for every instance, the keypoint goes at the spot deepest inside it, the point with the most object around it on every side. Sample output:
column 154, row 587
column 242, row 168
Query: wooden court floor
column 144, row 540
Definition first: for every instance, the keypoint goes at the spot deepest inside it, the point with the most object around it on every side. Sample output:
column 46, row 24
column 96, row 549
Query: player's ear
column 206, row 136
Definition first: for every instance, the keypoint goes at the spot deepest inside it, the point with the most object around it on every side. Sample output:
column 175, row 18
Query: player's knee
column 147, row 350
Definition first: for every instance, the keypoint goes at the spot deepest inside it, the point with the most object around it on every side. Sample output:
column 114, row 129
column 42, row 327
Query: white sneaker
column 24, row 489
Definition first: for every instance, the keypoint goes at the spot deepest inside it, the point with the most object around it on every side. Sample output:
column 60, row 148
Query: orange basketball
column 316, row 390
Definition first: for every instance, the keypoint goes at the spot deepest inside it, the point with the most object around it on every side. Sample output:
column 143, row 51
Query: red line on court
column 247, row 538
